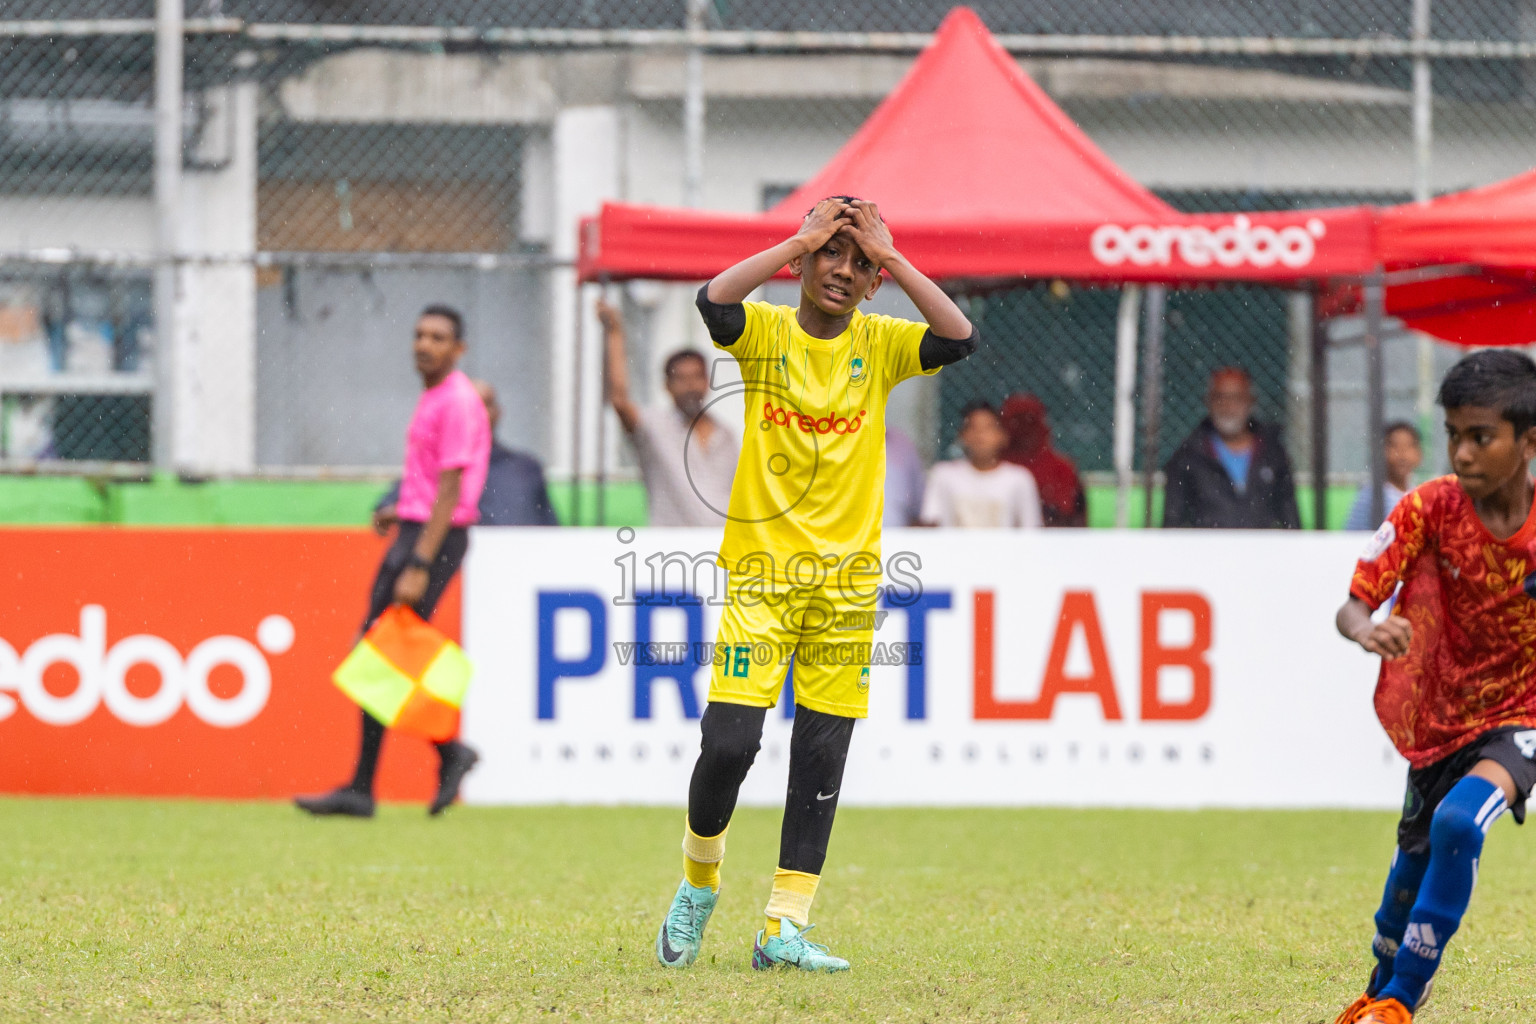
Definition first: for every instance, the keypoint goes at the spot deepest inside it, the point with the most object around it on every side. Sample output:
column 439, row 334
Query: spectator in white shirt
column 981, row 490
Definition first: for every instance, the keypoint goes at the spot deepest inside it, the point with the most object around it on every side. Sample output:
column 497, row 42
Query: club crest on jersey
column 1379, row 542
column 856, row 372
column 864, row 680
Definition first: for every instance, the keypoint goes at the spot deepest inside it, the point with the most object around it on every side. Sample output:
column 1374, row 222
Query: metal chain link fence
column 1057, row 342
column 346, row 162
column 76, row 138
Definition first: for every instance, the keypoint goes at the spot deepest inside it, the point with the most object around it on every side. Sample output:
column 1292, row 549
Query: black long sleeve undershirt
column 934, row 351
column 727, row 320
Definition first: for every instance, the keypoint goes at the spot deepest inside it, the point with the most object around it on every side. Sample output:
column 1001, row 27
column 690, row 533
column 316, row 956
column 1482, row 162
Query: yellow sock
column 791, row 898
column 701, row 858
column 700, row 874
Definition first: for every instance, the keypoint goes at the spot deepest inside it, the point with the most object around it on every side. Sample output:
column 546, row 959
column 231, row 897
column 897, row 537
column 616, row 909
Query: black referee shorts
column 444, row 567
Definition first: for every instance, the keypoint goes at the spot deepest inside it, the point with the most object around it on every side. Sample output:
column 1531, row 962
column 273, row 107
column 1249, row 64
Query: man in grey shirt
column 687, row 457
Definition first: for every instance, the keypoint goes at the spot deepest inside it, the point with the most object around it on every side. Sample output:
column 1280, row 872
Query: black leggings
column 442, row 571
column 731, row 735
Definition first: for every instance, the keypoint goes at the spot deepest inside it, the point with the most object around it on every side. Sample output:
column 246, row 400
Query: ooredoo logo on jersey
column 830, row 424
column 102, row 674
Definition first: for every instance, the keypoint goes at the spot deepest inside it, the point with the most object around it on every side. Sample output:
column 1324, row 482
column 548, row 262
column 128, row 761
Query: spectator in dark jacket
column 1232, row 473
column 515, row 492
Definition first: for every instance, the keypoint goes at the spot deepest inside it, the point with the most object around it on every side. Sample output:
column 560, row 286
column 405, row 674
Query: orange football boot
column 1385, row 1011
column 1352, row 1012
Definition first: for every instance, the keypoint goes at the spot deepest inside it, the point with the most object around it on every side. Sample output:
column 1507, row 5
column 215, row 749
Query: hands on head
column 869, row 231
column 858, row 220
column 826, row 219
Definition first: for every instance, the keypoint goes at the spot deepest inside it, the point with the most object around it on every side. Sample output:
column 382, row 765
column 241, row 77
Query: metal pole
column 1423, row 153
column 1317, row 372
column 1125, row 401
column 602, row 428
column 693, row 105
column 1423, row 105
column 1152, row 393
column 168, row 72
column 576, row 382
column 773, row 41
column 1375, row 300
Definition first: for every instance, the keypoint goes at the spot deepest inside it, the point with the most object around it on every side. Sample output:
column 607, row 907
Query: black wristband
column 417, row 562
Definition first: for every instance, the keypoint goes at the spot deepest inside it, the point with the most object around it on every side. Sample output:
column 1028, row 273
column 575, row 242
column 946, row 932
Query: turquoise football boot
column 790, row 948
column 682, row 933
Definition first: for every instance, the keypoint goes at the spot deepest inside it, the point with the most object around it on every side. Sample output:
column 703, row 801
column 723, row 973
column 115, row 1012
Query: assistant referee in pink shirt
column 447, row 450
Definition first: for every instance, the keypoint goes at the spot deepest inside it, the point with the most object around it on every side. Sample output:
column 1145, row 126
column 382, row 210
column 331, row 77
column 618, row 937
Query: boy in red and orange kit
column 1457, row 690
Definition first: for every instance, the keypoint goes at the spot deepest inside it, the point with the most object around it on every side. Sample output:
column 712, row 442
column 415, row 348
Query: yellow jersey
column 810, row 485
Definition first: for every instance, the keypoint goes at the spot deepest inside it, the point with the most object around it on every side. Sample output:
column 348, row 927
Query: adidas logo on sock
column 1420, row 940
column 1383, row 946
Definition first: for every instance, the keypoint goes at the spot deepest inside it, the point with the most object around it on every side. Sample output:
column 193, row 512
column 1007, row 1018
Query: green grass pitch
column 186, row 911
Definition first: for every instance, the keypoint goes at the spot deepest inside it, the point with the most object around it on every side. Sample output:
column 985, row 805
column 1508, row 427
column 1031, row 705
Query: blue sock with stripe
column 1397, row 899
column 1455, row 843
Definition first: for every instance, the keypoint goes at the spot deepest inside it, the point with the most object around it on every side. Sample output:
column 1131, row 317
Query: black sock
column 368, row 754
column 730, row 736
column 818, row 752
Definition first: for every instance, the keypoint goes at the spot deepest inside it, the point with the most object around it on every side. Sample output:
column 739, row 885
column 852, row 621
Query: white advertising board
column 1077, row 668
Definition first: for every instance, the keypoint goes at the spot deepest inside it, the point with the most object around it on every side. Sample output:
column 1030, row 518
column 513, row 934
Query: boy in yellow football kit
column 802, row 547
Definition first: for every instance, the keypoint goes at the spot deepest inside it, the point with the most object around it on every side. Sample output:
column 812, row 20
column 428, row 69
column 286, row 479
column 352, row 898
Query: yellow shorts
column 826, row 632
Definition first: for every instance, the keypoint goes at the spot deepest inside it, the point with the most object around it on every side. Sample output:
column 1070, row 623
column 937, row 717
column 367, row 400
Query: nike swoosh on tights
column 826, row 796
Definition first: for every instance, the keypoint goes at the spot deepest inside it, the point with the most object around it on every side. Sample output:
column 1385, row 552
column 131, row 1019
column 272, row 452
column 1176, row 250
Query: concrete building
column 437, row 151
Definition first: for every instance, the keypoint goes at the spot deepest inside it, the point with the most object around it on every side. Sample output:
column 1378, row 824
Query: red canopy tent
column 983, row 178
column 1461, row 268
column 1484, row 239
column 1494, row 226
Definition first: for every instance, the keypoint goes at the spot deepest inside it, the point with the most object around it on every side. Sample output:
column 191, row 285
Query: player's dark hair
column 448, row 313
column 1396, row 425
column 1494, row 378
column 841, row 199
column 682, row 355
column 978, row 405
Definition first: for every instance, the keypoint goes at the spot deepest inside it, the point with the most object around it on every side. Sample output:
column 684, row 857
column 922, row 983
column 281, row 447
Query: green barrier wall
column 1101, row 507
column 167, row 501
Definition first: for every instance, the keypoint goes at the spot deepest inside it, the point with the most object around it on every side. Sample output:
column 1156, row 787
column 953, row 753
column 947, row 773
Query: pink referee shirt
column 449, row 430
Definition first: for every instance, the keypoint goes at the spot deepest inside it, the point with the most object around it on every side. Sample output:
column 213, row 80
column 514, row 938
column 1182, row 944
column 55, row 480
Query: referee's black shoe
column 344, row 801
column 457, row 760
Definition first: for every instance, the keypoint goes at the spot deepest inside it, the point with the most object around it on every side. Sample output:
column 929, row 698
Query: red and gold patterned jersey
column 1471, row 665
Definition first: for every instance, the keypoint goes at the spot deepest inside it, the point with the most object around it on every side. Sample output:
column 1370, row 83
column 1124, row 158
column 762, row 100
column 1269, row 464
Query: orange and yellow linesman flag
column 408, row 675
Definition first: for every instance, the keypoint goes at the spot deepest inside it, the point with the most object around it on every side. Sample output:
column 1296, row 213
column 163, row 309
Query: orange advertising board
column 188, row 663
